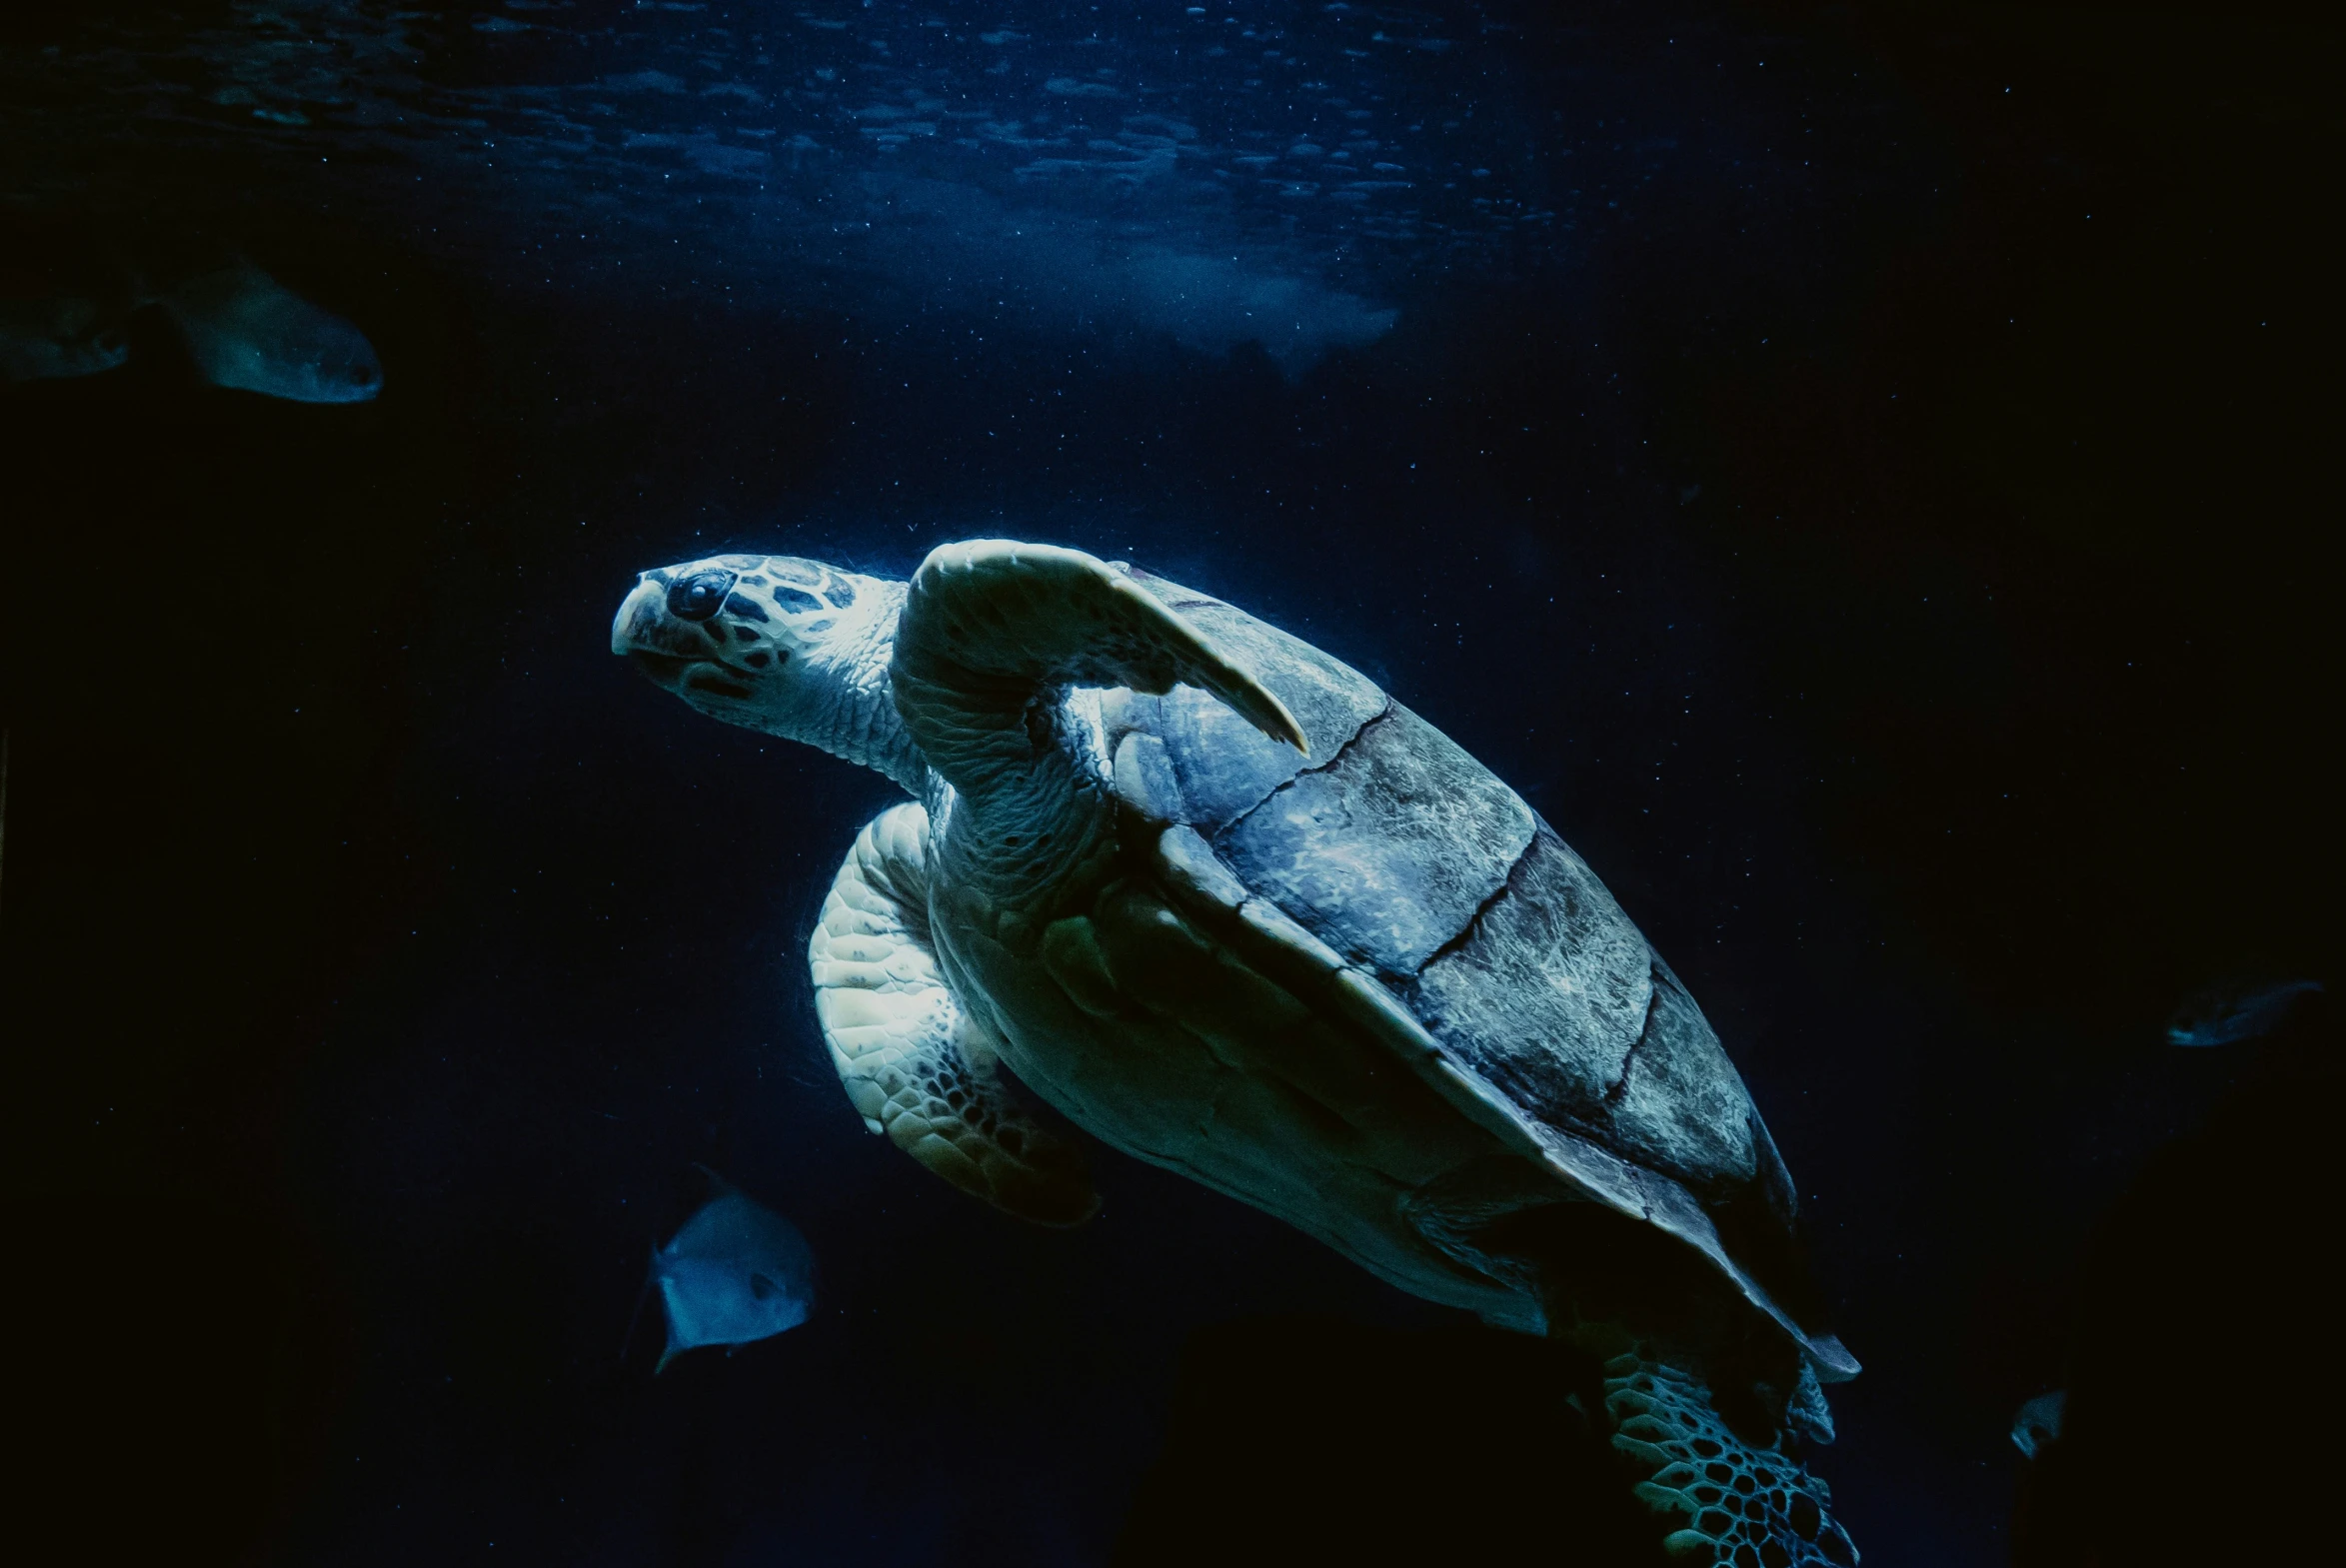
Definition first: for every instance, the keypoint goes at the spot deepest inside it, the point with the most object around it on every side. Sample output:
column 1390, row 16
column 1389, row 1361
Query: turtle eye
column 697, row 596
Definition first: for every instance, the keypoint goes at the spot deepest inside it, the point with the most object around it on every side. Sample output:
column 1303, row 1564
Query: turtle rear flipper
column 915, row 1063
column 1732, row 1504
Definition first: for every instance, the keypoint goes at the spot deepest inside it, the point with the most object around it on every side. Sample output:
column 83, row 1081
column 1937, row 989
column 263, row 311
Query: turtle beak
column 640, row 615
column 679, row 655
column 646, row 634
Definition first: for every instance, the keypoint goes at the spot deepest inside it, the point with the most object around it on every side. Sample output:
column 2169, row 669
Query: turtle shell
column 1524, row 991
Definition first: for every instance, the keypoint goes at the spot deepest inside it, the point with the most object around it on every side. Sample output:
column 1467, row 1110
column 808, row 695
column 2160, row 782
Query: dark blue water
column 1846, row 468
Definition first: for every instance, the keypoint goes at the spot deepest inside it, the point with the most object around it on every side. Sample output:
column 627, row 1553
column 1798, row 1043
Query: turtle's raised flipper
column 916, row 1065
column 1725, row 1501
column 991, row 623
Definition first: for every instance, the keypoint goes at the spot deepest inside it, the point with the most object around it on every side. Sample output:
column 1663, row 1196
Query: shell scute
column 1222, row 764
column 1478, row 947
column 1387, row 852
column 1547, row 995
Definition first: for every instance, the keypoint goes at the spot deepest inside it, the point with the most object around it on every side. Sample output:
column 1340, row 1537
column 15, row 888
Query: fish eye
column 698, row 596
column 762, row 1288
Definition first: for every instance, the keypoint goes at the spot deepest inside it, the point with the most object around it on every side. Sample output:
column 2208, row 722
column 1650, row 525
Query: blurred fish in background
column 2229, row 1013
column 250, row 332
column 2037, row 1424
column 2205, row 1306
column 70, row 316
column 61, row 336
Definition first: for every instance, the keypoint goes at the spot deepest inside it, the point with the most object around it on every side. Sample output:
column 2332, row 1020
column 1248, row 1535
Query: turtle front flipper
column 916, row 1064
column 1731, row 1502
column 989, row 625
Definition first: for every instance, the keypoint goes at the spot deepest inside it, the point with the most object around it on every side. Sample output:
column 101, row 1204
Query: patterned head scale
column 724, row 633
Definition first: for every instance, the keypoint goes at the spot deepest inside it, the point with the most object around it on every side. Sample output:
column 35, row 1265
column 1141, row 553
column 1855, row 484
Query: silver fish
column 2038, row 1426
column 245, row 329
column 737, row 1273
column 63, row 336
column 2228, row 1015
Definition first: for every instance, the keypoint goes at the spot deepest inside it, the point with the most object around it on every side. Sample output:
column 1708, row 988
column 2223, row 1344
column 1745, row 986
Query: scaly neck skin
column 840, row 700
column 1027, row 785
column 1030, row 809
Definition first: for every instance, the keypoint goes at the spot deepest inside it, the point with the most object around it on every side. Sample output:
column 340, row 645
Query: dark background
column 1913, row 595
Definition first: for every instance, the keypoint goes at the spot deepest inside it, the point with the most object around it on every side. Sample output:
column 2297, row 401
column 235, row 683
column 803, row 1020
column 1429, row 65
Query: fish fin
column 716, row 1180
column 670, row 1351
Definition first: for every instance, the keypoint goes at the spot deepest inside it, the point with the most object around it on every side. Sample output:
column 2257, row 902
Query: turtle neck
column 849, row 710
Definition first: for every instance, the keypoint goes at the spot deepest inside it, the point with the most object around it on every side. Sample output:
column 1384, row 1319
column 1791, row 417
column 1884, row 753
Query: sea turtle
column 1231, row 908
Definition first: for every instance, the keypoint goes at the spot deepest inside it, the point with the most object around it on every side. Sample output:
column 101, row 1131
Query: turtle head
column 792, row 647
